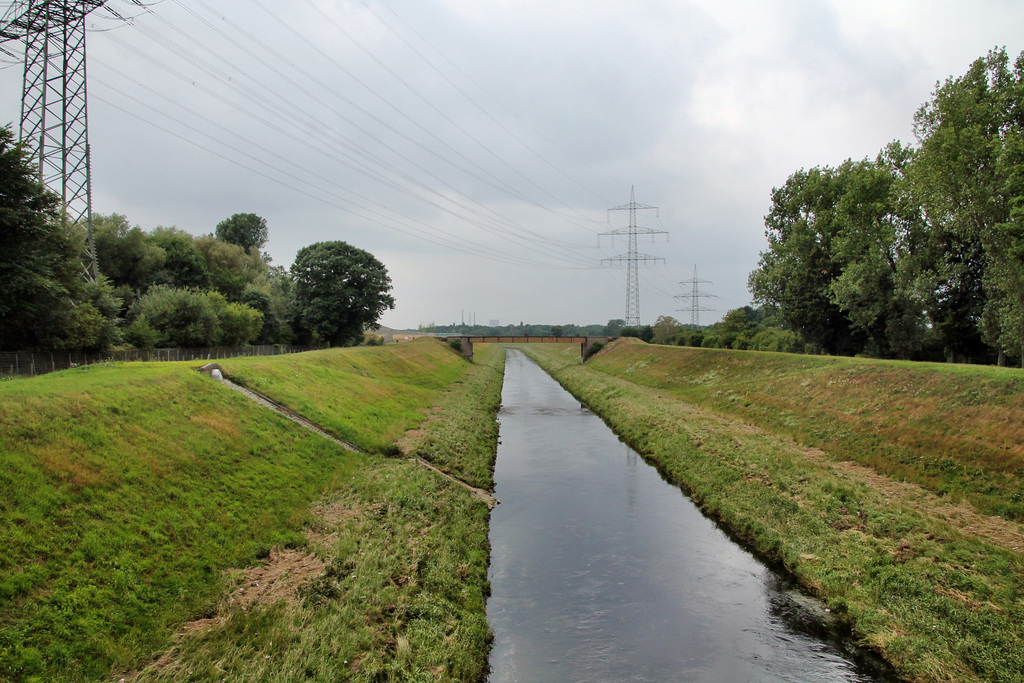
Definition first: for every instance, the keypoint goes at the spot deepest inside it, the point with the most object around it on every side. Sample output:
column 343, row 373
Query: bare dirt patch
column 278, row 579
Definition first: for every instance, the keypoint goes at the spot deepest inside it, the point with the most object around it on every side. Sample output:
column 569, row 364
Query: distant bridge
column 584, row 342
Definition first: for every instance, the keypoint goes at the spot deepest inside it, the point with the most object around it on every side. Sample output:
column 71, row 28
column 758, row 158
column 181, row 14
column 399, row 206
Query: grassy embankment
column 157, row 526
column 874, row 483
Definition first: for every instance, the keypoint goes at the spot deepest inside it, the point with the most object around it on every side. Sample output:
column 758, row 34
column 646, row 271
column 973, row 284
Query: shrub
column 189, row 317
column 183, row 317
column 239, row 324
column 644, row 333
column 455, row 344
column 141, row 335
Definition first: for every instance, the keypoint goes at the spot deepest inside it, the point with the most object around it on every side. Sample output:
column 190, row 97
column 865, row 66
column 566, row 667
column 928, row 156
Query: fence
column 31, row 364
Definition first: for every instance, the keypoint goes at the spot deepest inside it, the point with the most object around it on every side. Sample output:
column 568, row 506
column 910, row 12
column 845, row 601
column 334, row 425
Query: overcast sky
column 475, row 146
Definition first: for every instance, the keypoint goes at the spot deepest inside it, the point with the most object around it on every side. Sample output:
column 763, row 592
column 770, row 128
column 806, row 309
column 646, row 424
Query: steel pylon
column 54, row 119
column 632, row 258
column 695, row 296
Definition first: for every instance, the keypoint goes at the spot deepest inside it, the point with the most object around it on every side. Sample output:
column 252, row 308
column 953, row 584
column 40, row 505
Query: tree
column 231, row 267
column 961, row 178
column 612, row 329
column 184, row 265
column 1006, row 273
column 665, row 328
column 556, row 331
column 271, row 296
column 882, row 244
column 126, row 256
column 38, row 255
column 339, row 290
column 796, row 272
column 124, row 253
column 247, row 230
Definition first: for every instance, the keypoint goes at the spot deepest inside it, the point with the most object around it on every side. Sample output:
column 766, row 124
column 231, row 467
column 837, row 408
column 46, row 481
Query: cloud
column 475, row 147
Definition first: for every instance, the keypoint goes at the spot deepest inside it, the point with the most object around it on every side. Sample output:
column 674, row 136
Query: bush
column 455, row 344
column 373, row 339
column 690, row 338
column 183, row 317
column 83, row 328
column 645, row 333
column 189, row 317
column 141, row 335
column 594, row 348
column 239, row 324
column 775, row 339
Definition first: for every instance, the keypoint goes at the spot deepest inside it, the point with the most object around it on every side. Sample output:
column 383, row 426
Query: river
column 602, row 571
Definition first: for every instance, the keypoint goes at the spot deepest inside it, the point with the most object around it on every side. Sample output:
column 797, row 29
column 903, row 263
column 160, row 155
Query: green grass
column 940, row 600
column 128, row 492
column 402, row 599
column 954, row 429
column 462, row 437
column 368, row 396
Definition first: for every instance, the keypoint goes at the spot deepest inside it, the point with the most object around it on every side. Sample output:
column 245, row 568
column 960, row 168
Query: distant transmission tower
column 632, row 258
column 695, row 296
column 54, row 124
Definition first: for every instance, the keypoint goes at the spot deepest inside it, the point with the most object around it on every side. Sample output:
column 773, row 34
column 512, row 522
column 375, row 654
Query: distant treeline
column 612, row 329
column 747, row 328
column 759, row 329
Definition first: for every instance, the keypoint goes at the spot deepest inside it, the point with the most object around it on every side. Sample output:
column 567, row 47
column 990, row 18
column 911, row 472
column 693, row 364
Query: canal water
column 602, row 571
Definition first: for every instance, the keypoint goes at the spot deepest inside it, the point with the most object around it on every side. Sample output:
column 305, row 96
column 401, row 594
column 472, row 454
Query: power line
column 499, row 184
column 311, row 125
column 432, row 106
column 323, row 146
column 469, row 97
column 408, row 227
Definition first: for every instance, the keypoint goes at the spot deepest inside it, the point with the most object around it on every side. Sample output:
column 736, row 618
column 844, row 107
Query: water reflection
column 601, row 571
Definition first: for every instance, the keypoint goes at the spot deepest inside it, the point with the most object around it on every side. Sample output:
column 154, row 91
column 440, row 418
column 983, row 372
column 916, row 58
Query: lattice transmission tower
column 632, row 258
column 54, row 121
column 695, row 296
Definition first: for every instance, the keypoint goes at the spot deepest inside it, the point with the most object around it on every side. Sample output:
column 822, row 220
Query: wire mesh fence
column 30, row 364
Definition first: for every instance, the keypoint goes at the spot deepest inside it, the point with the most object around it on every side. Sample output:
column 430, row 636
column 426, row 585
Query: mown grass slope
column 127, row 492
column 956, row 430
column 776, row 448
column 461, row 435
column 368, row 396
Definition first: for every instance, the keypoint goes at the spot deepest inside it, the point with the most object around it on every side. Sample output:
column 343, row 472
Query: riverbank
column 156, row 526
column 773, row 447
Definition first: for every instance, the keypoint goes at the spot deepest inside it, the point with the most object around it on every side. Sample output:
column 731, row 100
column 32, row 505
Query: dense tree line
column 747, row 328
column 166, row 287
column 918, row 253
